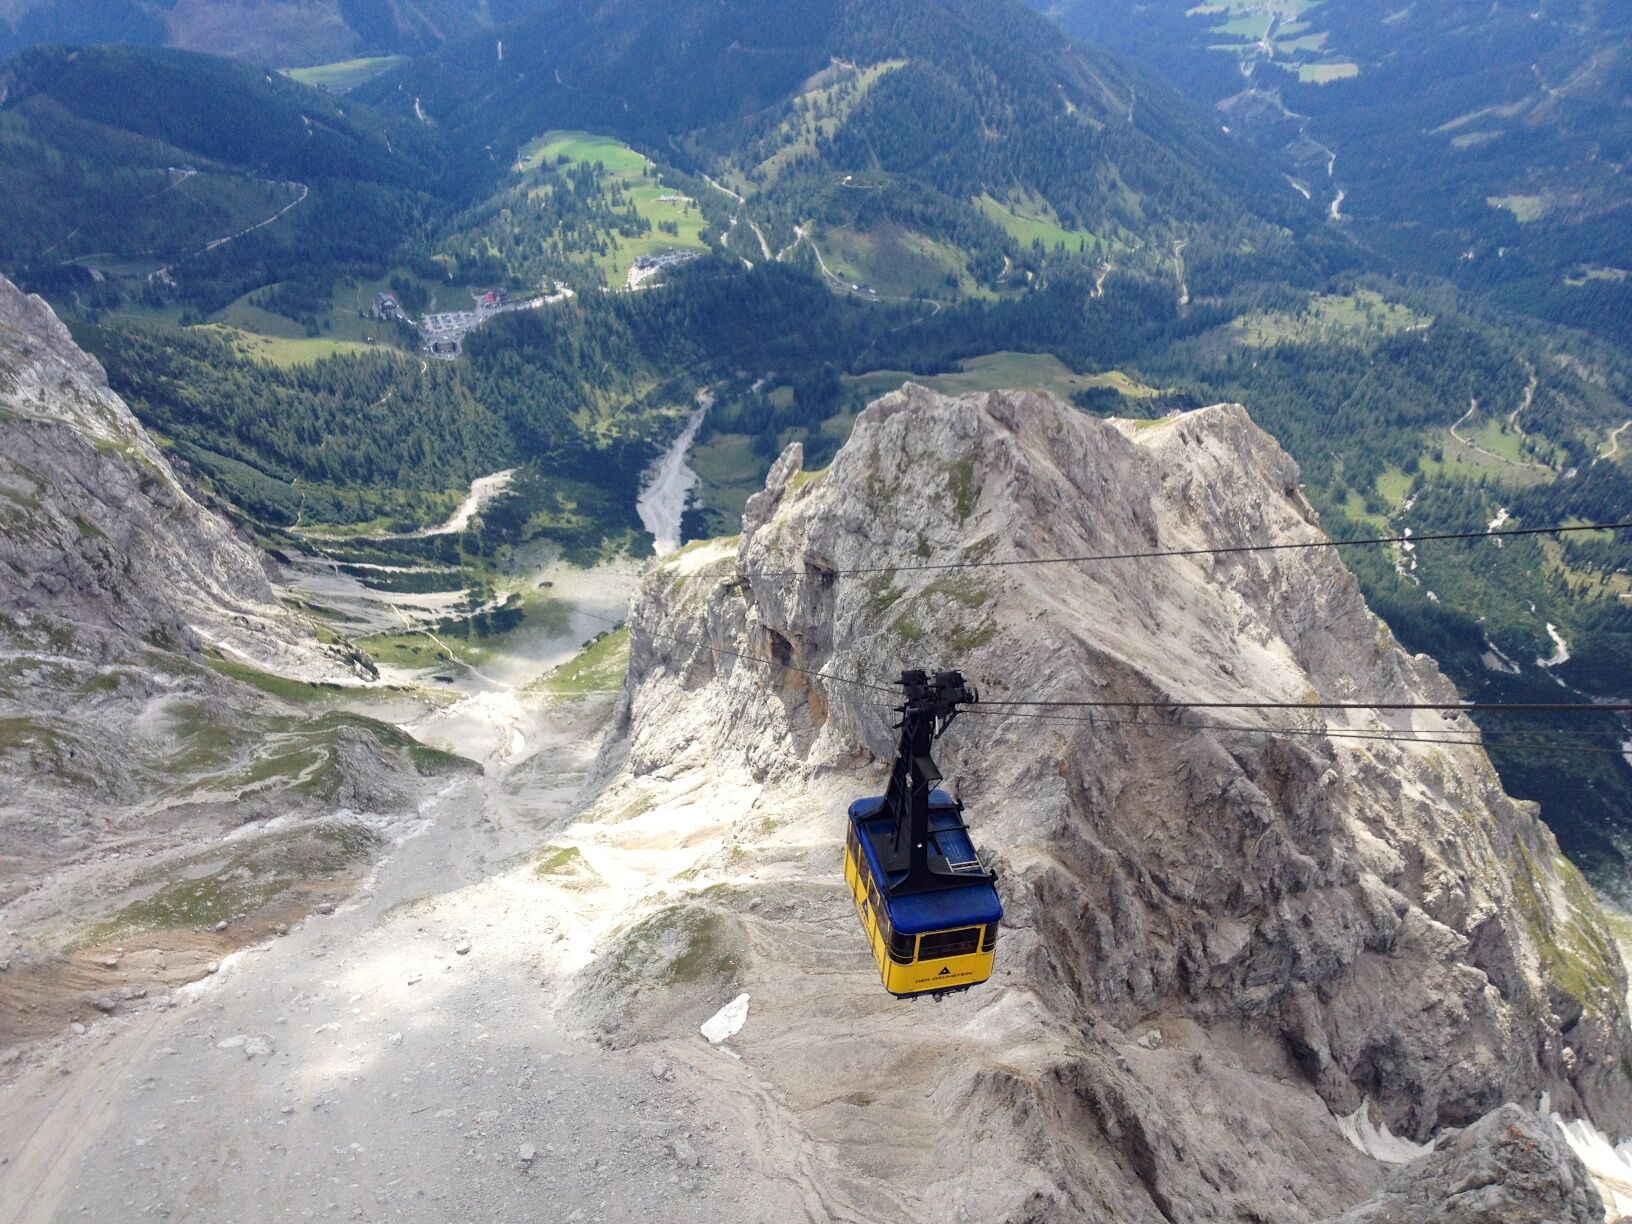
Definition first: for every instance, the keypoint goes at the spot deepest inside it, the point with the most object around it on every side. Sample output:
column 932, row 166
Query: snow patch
column 1375, row 1139
column 1609, row 1163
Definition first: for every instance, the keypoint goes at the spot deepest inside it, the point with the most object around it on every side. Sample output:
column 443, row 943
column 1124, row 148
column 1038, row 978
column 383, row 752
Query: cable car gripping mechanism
column 929, row 708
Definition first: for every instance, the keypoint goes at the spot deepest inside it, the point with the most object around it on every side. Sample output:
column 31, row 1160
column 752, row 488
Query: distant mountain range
column 1487, row 142
column 279, row 33
column 941, row 134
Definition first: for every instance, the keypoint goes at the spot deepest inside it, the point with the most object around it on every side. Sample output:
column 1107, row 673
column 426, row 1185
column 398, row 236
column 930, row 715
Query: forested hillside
column 939, row 149
column 1484, row 142
column 163, row 177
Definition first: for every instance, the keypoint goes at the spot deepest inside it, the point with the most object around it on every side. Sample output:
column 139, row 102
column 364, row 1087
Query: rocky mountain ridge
column 151, row 702
column 100, row 532
column 1223, row 934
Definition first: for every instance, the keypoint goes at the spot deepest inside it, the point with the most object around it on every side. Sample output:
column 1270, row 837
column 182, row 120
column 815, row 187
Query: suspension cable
column 1229, row 550
column 1006, row 706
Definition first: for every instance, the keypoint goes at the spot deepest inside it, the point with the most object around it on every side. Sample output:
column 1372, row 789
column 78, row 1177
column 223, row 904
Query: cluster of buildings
column 648, row 266
column 444, row 332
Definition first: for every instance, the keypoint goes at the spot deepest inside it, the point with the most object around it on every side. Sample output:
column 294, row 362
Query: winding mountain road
column 1614, row 443
column 216, row 243
column 1473, row 408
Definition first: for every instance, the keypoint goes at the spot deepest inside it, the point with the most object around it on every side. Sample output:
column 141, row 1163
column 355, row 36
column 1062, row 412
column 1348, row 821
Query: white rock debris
column 727, row 1022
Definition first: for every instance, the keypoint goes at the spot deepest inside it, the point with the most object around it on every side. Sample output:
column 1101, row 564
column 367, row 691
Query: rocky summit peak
column 1248, row 956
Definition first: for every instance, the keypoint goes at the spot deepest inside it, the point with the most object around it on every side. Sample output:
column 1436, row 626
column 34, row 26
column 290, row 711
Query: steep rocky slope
column 101, row 538
column 1235, row 947
column 130, row 616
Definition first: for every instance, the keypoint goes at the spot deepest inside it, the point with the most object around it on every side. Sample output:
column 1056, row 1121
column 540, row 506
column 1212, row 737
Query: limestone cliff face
column 112, row 581
column 98, row 532
column 1309, row 919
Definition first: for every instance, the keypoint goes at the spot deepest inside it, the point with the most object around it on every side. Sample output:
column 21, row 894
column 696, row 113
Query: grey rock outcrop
column 114, row 580
column 100, row 541
column 1313, row 914
column 1510, row 1167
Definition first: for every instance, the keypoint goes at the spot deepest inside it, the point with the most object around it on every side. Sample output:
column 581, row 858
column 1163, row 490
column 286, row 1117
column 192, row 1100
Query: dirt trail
column 1525, row 403
column 1473, row 409
column 1614, row 443
column 222, row 241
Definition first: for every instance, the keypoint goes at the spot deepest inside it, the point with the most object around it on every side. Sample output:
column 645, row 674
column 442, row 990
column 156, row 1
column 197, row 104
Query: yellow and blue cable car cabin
column 928, row 906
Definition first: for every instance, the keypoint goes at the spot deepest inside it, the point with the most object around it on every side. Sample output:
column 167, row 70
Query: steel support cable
column 1002, row 708
column 1229, row 550
column 1506, row 740
column 1448, row 707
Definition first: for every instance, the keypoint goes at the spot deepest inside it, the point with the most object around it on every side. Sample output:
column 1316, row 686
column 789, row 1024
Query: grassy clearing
column 731, row 471
column 897, row 262
column 282, row 351
column 1034, row 221
column 553, row 153
column 1493, row 436
column 1000, row 372
column 1355, row 509
column 1525, row 208
column 598, row 668
column 1326, row 317
column 1325, row 74
column 1394, row 486
column 345, row 318
column 342, row 75
column 413, row 651
column 1303, row 42
column 1460, row 461
column 299, row 692
column 1582, row 583
column 545, row 151
column 1249, row 27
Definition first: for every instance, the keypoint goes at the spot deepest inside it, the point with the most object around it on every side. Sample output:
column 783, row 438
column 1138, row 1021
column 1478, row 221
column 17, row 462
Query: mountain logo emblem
column 945, row 972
